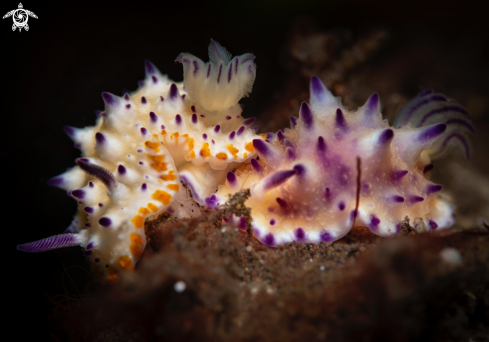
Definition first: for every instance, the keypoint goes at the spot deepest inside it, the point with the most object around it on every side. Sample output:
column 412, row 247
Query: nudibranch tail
column 308, row 184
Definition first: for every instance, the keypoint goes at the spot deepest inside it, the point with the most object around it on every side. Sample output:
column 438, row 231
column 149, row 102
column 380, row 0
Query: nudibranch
column 336, row 169
column 145, row 146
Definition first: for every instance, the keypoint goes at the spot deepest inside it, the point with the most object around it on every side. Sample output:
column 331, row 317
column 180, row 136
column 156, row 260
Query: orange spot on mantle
column 205, row 151
column 126, row 263
column 249, row 147
column 234, row 151
column 222, row 155
column 152, row 207
column 138, row 221
column 173, row 187
column 162, row 196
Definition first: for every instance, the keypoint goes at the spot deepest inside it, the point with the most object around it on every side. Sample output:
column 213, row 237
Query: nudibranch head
column 145, row 146
column 304, row 182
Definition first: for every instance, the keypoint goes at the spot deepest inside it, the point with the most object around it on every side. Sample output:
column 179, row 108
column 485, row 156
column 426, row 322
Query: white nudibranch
column 144, row 146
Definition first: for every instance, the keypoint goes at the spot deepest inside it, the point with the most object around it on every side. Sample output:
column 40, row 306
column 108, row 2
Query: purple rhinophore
column 397, row 199
column 173, row 92
column 340, row 119
column 306, row 115
column 217, row 128
column 290, row 153
column 127, row 97
column 121, row 169
column 150, row 68
column 240, row 130
column 327, row 194
column 249, row 121
column 321, row 145
column 211, row 201
column 204, row 136
column 194, row 118
column 52, row 242
column 89, row 246
column 162, row 98
column 341, row 205
column 56, row 181
column 231, row 178
column 88, row 210
column 153, row 117
column 143, row 100
column 144, row 131
column 154, row 79
column 428, row 168
column 269, row 240
column 99, row 137
column 128, row 106
column 144, row 186
column 300, row 234
column 230, row 73
column 299, row 169
column 78, row 193
column 272, row 222
column 374, row 223
column 208, row 70
column 386, row 136
column 256, row 165
column 433, row 224
column 396, row 175
column 372, row 104
column 196, row 67
column 100, row 205
column 87, row 225
column 415, row 199
column 98, row 172
column 110, row 99
column 293, row 121
column 262, row 147
column 433, row 188
column 461, row 122
column 87, row 253
column 231, row 135
column 278, row 178
column 70, row 131
column 431, row 132
column 281, row 202
column 178, row 119
column 324, row 236
column 105, row 221
column 219, row 74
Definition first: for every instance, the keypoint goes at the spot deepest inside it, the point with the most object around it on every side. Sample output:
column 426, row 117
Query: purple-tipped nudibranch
column 145, row 145
column 308, row 183
column 176, row 146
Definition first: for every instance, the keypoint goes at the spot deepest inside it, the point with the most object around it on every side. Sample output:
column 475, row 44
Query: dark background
column 53, row 76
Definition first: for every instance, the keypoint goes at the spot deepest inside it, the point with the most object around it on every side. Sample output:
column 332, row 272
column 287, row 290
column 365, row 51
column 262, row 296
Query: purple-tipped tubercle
column 278, row 178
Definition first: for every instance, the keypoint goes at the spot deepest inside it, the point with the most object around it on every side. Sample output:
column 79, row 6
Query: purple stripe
column 208, row 70
column 431, row 132
column 432, row 98
column 219, row 74
column 462, row 122
column 462, row 140
column 196, row 67
column 52, row 242
column 450, row 108
column 236, row 67
column 249, row 58
column 278, row 178
column 230, row 73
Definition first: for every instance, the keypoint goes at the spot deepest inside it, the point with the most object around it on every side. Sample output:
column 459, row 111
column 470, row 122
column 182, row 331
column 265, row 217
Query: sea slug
column 307, row 183
column 177, row 146
column 144, row 146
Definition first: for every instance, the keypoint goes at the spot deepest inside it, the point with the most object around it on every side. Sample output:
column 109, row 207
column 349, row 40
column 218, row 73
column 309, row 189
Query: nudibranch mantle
column 304, row 183
column 144, row 146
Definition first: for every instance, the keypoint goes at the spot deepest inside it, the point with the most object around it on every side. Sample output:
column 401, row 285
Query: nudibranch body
column 305, row 183
column 145, row 145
